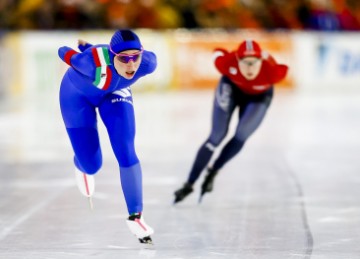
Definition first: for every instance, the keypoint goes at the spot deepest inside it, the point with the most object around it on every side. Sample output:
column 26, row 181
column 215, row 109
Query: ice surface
column 293, row 191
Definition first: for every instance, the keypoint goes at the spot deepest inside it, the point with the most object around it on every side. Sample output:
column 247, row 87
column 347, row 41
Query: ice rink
column 293, row 191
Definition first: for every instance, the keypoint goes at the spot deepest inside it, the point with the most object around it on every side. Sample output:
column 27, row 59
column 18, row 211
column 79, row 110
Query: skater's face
column 127, row 63
column 250, row 67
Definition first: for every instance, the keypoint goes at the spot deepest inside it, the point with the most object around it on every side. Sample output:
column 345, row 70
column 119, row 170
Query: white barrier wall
column 327, row 61
column 30, row 64
column 35, row 67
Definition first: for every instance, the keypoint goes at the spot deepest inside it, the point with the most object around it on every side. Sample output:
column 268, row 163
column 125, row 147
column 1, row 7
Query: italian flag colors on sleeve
column 103, row 71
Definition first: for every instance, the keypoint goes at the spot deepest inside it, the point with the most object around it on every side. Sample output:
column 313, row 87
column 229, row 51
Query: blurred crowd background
column 324, row 15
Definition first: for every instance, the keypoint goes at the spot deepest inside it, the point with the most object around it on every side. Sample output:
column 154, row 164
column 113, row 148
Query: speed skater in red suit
column 248, row 75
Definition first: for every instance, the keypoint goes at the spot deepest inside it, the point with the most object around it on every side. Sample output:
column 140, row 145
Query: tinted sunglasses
column 125, row 58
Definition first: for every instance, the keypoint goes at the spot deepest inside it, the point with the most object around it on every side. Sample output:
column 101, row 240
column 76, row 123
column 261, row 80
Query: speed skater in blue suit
column 98, row 80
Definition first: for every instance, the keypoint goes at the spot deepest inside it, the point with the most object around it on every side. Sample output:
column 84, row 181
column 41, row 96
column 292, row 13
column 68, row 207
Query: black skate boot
column 208, row 183
column 183, row 192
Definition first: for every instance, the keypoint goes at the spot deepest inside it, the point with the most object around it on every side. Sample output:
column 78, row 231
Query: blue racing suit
column 91, row 83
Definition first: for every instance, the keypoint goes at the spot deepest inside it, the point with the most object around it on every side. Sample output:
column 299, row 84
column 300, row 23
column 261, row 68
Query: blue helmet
column 124, row 40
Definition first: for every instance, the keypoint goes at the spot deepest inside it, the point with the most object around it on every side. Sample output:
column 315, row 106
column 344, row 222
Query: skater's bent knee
column 93, row 168
column 90, row 167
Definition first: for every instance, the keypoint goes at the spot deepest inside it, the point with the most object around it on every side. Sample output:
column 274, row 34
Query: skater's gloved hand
column 83, row 45
column 219, row 52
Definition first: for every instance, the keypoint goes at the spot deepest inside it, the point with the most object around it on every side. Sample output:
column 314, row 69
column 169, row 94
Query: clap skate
column 139, row 228
column 86, row 184
column 208, row 183
column 183, row 192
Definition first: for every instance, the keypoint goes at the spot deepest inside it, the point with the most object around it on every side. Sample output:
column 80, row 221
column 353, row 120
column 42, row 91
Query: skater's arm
column 276, row 72
column 82, row 62
column 220, row 57
column 149, row 61
column 66, row 53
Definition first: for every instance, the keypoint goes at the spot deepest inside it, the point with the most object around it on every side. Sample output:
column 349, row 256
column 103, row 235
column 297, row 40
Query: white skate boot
column 139, row 228
column 86, row 184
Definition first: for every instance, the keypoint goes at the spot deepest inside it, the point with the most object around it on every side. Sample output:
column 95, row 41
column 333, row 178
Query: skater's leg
column 80, row 121
column 251, row 114
column 86, row 146
column 223, row 108
column 117, row 114
column 87, row 159
column 250, row 121
column 131, row 182
column 250, row 117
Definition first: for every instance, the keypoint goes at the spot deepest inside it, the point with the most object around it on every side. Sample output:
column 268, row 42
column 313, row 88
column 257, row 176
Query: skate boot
column 208, row 183
column 86, row 184
column 139, row 228
column 183, row 192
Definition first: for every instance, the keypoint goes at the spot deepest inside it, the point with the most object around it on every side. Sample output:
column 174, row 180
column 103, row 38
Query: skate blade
column 146, row 240
column 91, row 205
column 201, row 196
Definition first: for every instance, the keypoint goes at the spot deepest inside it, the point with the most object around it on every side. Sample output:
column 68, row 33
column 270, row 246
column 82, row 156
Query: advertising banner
column 185, row 58
column 327, row 60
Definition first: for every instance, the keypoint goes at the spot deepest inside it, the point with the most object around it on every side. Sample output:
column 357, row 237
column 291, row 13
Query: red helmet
column 248, row 48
